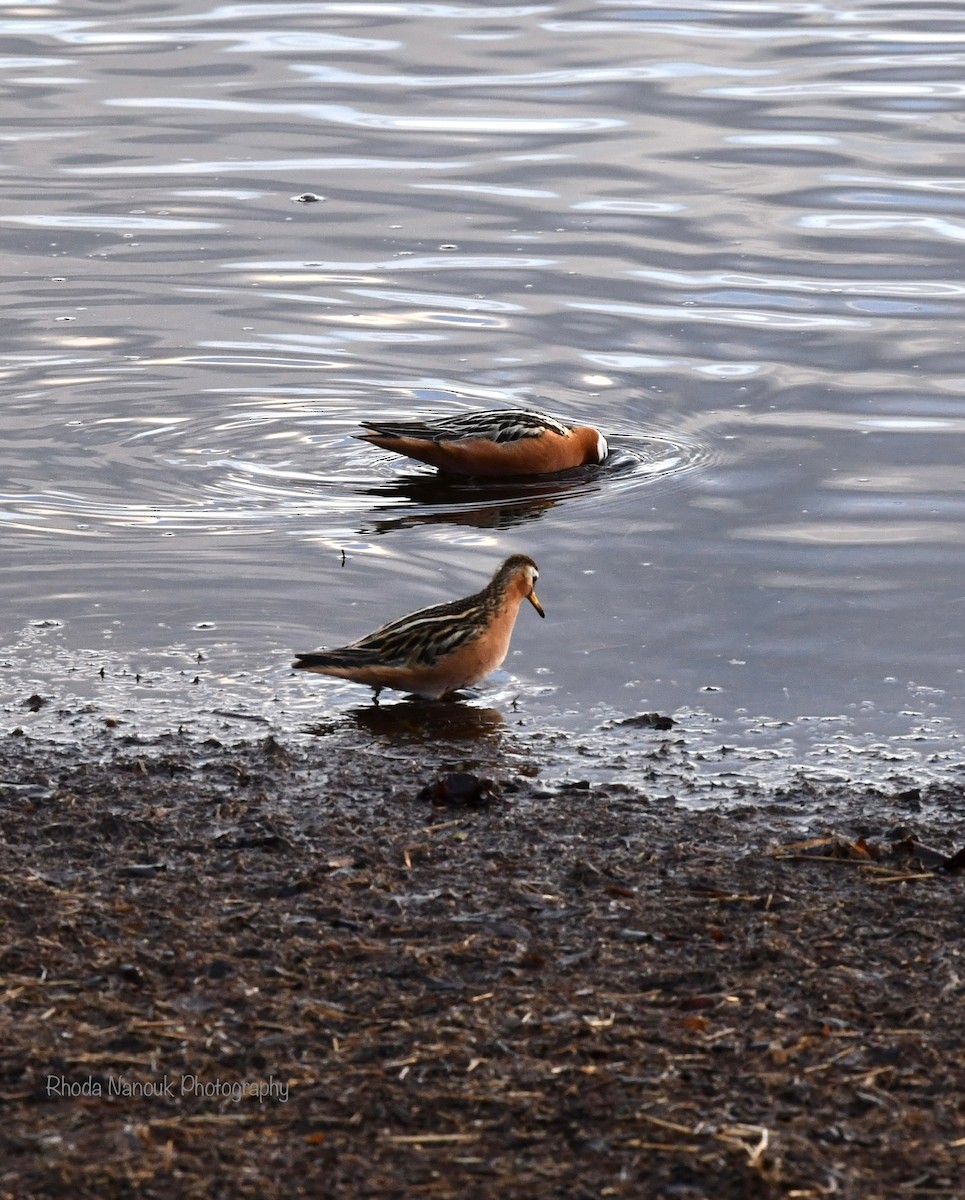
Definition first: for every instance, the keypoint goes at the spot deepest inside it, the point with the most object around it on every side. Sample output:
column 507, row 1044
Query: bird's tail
column 345, row 656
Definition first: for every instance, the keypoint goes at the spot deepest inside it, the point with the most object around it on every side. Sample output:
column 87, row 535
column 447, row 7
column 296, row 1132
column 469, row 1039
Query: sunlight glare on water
column 729, row 235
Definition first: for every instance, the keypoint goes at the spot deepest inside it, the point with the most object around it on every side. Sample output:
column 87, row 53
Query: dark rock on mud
column 461, row 789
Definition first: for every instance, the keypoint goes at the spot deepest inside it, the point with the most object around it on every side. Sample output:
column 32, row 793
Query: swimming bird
column 438, row 649
column 491, row 443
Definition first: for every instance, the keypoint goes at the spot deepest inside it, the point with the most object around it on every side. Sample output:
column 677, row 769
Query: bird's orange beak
column 535, row 603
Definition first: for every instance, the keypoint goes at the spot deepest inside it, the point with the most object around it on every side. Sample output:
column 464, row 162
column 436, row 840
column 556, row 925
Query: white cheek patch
column 602, row 449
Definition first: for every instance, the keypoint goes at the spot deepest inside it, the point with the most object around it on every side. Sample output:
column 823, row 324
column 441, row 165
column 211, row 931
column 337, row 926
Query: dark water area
column 731, row 236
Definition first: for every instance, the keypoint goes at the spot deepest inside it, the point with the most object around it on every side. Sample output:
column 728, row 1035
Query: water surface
column 730, row 235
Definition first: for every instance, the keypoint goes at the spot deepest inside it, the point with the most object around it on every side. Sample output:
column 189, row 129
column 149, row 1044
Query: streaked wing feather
column 429, row 634
column 496, row 427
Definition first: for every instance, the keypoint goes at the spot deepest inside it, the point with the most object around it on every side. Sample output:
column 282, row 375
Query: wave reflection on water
column 269, row 459
column 730, row 236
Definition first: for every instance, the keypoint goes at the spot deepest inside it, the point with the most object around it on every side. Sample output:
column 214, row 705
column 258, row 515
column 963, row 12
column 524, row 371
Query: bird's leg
column 375, row 696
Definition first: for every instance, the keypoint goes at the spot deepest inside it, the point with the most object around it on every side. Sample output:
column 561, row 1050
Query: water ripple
column 344, row 114
column 107, row 221
column 281, row 460
column 730, row 234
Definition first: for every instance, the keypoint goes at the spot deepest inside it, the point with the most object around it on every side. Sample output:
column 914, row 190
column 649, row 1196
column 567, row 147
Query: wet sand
column 306, row 967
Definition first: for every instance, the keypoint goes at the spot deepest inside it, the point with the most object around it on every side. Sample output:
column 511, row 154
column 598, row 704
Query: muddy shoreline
column 269, row 965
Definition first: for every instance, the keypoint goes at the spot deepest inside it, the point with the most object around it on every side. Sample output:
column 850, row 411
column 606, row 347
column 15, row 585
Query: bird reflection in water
column 418, row 721
column 423, row 499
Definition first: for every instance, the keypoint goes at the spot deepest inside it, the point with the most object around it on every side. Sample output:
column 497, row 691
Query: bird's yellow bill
column 535, row 603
